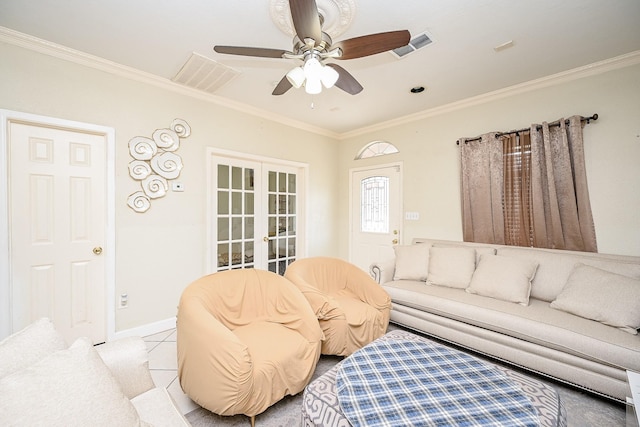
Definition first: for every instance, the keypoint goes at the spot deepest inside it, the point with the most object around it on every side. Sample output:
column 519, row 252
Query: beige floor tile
column 164, row 356
column 183, row 401
column 160, row 336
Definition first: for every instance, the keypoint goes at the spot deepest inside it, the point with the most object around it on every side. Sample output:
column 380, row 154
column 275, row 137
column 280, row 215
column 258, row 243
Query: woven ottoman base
column 320, row 406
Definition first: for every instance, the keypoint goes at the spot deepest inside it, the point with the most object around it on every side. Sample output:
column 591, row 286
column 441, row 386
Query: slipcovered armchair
column 351, row 307
column 245, row 338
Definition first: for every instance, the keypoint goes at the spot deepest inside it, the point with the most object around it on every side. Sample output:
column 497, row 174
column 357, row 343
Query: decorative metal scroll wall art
column 155, row 163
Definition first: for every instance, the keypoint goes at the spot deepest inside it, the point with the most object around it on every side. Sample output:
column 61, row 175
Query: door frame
column 8, row 116
column 211, row 227
column 353, row 171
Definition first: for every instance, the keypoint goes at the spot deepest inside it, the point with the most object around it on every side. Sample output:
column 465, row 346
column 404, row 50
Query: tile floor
column 163, row 363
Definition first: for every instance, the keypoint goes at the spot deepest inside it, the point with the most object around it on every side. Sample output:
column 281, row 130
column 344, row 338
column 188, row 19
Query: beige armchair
column 246, row 338
column 351, row 307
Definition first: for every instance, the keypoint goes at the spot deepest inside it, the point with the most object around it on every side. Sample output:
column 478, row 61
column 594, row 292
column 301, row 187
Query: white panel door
column 376, row 214
column 57, row 220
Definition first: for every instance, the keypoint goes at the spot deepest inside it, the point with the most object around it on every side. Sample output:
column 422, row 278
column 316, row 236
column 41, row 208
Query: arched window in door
column 374, row 193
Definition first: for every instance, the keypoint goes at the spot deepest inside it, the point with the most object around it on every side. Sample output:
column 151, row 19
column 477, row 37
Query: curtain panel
column 562, row 217
column 528, row 188
column 482, row 192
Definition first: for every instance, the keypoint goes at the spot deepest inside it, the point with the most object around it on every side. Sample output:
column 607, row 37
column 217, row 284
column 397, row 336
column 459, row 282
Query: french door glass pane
column 236, row 217
column 282, row 204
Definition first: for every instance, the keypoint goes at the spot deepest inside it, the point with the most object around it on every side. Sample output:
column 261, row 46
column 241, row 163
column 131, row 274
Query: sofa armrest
column 128, row 361
column 382, row 271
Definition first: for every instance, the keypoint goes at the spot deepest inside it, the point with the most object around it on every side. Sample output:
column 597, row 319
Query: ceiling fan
column 313, row 46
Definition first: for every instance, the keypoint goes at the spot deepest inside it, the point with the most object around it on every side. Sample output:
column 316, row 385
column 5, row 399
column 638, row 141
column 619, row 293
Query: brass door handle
column 265, row 239
column 97, row 250
column 394, row 241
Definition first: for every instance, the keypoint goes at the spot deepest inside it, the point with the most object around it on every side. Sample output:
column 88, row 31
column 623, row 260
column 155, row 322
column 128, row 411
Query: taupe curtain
column 562, row 217
column 482, row 178
column 547, row 198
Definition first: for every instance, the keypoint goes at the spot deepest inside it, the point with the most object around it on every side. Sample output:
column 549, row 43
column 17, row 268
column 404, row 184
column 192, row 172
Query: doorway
column 256, row 212
column 375, row 213
column 57, row 210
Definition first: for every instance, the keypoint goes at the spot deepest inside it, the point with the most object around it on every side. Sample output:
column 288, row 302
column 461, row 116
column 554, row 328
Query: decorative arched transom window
column 376, row 148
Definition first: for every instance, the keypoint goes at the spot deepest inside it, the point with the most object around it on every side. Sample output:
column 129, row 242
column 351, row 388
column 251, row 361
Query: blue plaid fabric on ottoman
column 403, row 379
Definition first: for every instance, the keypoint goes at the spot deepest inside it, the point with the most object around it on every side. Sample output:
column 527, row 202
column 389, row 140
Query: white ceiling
column 158, row 36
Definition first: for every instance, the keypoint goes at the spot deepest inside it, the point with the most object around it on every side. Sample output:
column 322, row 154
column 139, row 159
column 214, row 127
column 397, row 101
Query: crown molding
column 52, row 49
column 622, row 61
column 35, row 44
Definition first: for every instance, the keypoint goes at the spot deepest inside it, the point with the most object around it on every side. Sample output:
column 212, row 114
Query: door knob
column 265, row 239
column 394, row 241
column 97, row 250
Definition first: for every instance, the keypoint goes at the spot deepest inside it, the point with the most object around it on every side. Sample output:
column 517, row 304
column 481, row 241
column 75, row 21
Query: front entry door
column 57, row 217
column 376, row 208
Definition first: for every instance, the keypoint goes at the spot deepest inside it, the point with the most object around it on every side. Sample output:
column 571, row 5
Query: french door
column 254, row 214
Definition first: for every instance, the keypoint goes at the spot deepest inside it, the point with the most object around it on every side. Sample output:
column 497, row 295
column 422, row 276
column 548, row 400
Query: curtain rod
column 583, row 119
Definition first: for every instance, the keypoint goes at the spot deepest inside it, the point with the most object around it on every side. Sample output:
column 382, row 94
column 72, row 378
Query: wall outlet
column 124, row 301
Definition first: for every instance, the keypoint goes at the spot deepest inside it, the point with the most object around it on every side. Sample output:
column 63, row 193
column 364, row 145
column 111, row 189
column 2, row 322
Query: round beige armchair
column 246, row 339
column 351, row 307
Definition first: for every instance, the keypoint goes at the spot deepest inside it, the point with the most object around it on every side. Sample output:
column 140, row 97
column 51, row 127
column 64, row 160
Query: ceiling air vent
column 418, row 42
column 202, row 73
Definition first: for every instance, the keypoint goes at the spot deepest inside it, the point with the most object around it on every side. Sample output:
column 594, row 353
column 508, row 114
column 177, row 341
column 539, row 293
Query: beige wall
column 431, row 159
column 161, row 251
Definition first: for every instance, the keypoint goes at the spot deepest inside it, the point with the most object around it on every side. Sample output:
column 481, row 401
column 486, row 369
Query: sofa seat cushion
column 537, row 323
column 156, row 407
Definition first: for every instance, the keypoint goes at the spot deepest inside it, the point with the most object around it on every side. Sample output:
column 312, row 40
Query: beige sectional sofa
column 44, row 382
column 573, row 316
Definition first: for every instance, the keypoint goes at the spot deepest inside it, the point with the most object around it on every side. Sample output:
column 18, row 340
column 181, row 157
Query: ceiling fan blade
column 251, row 51
column 372, row 44
column 306, row 20
column 283, row 86
column 346, row 81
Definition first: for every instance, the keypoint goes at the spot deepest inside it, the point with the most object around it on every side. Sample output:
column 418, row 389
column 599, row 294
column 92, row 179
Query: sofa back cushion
column 28, row 346
column 555, row 266
column 412, row 262
column 504, row 278
column 68, row 387
column 602, row 296
column 451, row 266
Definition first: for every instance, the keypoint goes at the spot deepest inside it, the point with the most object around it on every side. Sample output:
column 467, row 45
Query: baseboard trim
column 148, row 329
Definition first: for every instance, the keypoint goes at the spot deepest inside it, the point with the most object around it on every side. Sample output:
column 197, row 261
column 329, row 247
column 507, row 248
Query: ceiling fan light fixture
column 296, row 77
column 313, row 86
column 313, row 69
column 329, row 77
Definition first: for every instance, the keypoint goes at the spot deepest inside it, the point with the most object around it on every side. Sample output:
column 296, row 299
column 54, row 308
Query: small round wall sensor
column 417, row 89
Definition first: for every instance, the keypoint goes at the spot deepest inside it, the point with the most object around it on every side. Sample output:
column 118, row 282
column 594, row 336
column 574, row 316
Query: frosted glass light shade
column 329, row 77
column 313, row 86
column 296, row 77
